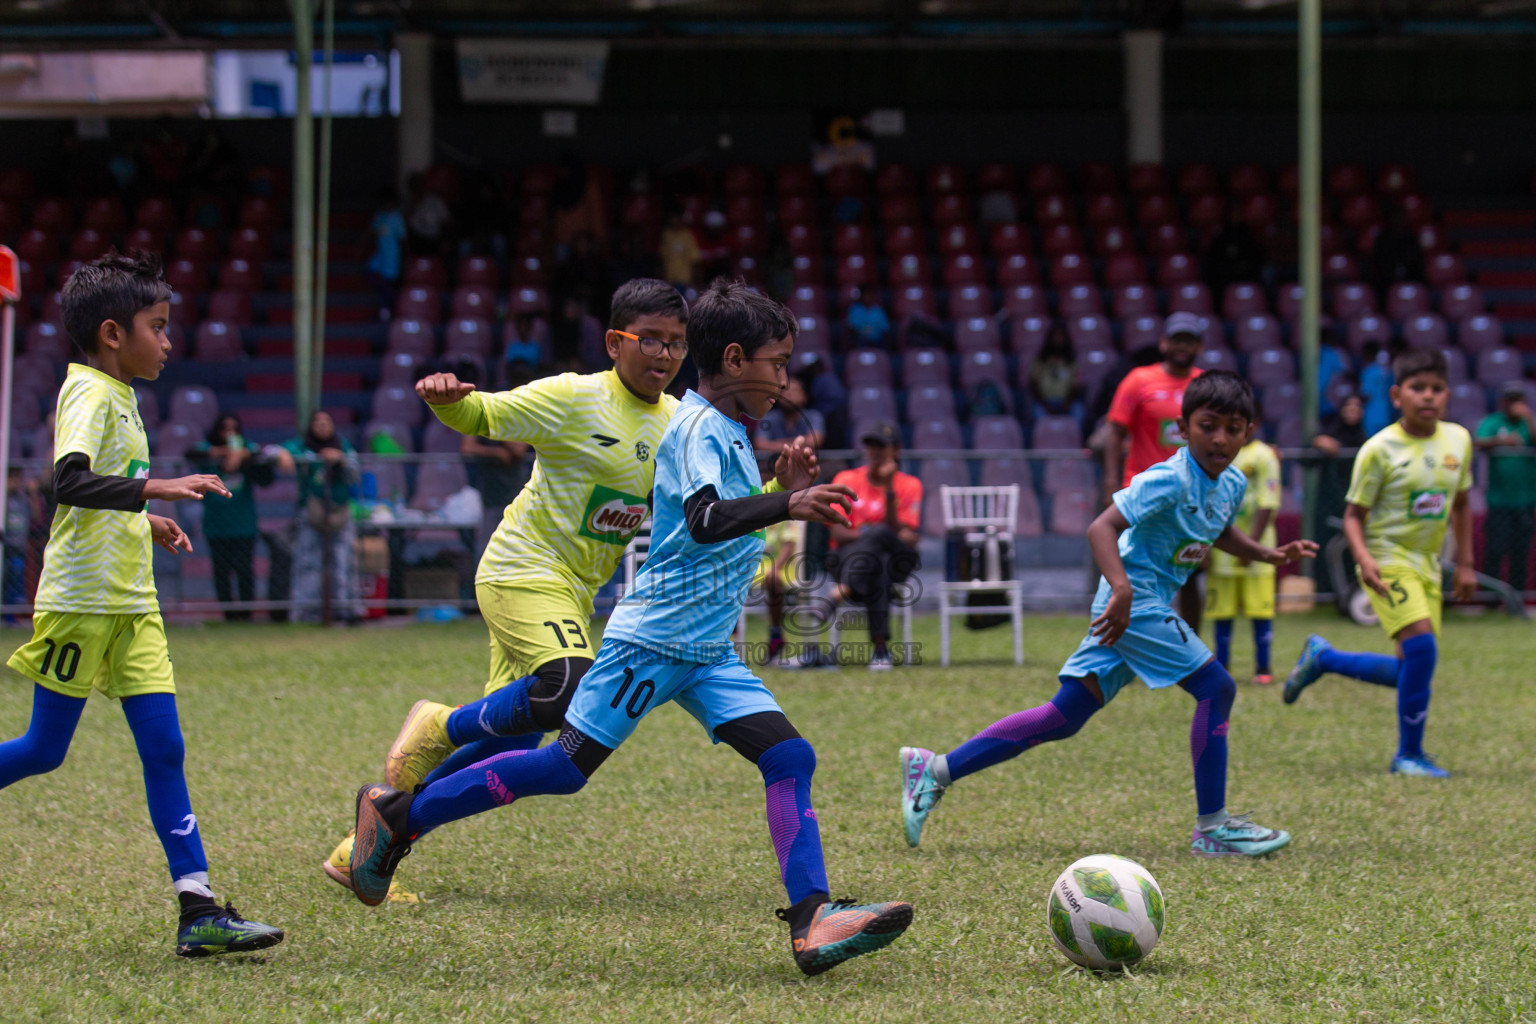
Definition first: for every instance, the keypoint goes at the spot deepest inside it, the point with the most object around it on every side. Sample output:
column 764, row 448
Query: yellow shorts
column 120, row 655
column 532, row 624
column 1227, row 597
column 1410, row 598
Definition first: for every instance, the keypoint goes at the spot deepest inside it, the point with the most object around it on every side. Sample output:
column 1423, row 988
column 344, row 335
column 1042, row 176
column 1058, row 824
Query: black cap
column 881, row 433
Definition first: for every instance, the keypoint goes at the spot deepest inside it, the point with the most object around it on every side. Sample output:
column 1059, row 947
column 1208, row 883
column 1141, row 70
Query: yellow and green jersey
column 1409, row 484
column 1260, row 464
column 99, row 561
column 595, row 443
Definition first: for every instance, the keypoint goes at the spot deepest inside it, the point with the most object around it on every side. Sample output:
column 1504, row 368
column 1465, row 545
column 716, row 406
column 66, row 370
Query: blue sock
column 42, row 747
column 1224, row 642
column 504, row 712
column 1419, row 655
column 1213, row 690
column 494, row 782
column 787, row 768
column 1381, row 669
column 1056, row 719
column 1263, row 633
column 157, row 734
column 481, row 750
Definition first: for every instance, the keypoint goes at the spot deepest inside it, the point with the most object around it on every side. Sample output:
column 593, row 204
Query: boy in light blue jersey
column 669, row 639
column 1147, row 543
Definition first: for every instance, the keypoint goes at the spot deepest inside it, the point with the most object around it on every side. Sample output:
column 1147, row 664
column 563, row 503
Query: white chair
column 984, row 513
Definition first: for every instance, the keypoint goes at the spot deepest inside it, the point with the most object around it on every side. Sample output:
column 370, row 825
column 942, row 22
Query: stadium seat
column 473, row 301
column 1444, row 268
column 1018, row 268
column 231, row 305
column 1353, row 299
column 951, row 210
column 218, row 341
column 1055, row 433
column 935, row 475
column 412, row 336
column 1079, row 300
column 47, row 340
column 1366, row 328
column 1062, row 238
column 977, row 333
column 1139, row 332
column 806, row 268
column 1278, row 399
column 996, row 433
column 1167, row 238
column 1498, row 366
column 399, row 369
column 105, row 215
column 88, row 244
column 1071, row 268
column 1427, row 330
column 1054, row 208
column 871, row 405
column 1270, row 366
column 1480, row 333
column 480, row 270
column 436, row 482
column 1090, row 331
column 1156, row 208
column 1190, row 297
column 1132, row 300
column 1145, row 179
column 937, row 433
column 813, row 335
column 145, row 239
column 1124, row 268
column 1016, row 472
column 250, row 243
column 1176, row 268
column 524, row 299
column 808, row 300
column 1024, row 299
column 970, row 300
column 1416, row 210
column 981, row 365
column 1461, row 301
column 962, row 269
column 958, row 238
column 438, row 438
column 904, row 240
column 1257, row 332
column 895, row 179
column 995, row 177
column 1247, row 179
column 1046, row 179
column 195, row 404
column 174, row 438
column 1288, row 302
column 1243, row 298
column 1216, row 357
column 468, row 336
column 1467, row 405
column 867, row 367
column 846, row 181
column 1104, row 210
column 1007, row 239
column 149, row 407
column 529, row 269
column 240, row 274
column 855, row 268
column 914, row 300
column 1407, row 299
column 1347, row 179
column 1455, row 364
column 1113, row 239
column 798, row 211
column 1207, row 213
column 419, row 304
column 1094, row 367
column 187, row 275
column 425, row 272
column 1071, row 512
column 848, row 239
column 1026, row 337
column 1198, row 179
column 924, row 366
column 1340, row 267
column 1394, row 179
column 399, row 404
column 1063, row 475
column 53, row 215
column 930, row 401
column 26, row 413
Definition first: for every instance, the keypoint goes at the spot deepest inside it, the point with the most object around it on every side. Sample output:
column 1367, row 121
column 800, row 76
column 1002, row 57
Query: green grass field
column 649, row 896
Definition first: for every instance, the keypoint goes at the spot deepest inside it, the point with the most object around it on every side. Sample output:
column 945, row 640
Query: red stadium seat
column 1141, row 332
column 155, row 214
column 187, row 275
column 1198, row 180
column 950, row 210
column 977, row 333
column 1079, row 300
column 995, row 177
column 1166, row 238
column 846, row 181
column 418, row 303
column 1147, row 179
column 473, row 301
column 901, row 210
column 855, row 269
column 1256, row 332
column 1105, row 209
column 1062, row 238
column 1020, row 268
column 1026, row 337
column 527, row 298
column 1123, row 268
column 1461, row 301
column 903, row 240
column 233, row 305
column 1426, row 330
column 467, row 335
column 946, row 179
column 1407, row 299
column 1347, row 180
column 1090, row 332
column 1097, row 176
column 910, row 268
column 743, row 180
column 1007, row 239
column 895, row 180
column 1480, row 333
column 957, row 238
column 1052, row 209
column 88, row 244
column 1247, row 179
column 1046, row 179
column 1395, row 180
column 1133, row 300
column 398, row 404
column 196, row 244
column 1360, row 210
column 1025, row 300
column 1352, row 299
column 1207, row 212
column 259, row 212
column 963, row 268
column 194, row 404
column 970, row 300
column 914, row 300
column 530, row 270
column 479, row 270
column 1071, row 268
column 250, row 243
column 1365, row 328
column 1156, row 208
column 1243, row 298
column 105, row 215
column 1190, row 297
column 47, row 340
column 218, row 341
column 240, row 274
column 852, row 238
column 1175, row 268
column 425, row 272
column 1258, row 211
column 1339, row 267
column 797, row 209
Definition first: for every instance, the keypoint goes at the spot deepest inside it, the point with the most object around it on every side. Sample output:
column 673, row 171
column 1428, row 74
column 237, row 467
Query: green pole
column 303, row 216
column 1310, row 167
column 323, row 213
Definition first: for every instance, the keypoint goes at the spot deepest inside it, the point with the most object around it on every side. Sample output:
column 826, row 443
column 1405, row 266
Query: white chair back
column 980, row 508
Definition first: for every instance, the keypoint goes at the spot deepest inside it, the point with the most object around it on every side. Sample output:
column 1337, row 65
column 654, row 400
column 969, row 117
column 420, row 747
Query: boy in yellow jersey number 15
column 1409, row 480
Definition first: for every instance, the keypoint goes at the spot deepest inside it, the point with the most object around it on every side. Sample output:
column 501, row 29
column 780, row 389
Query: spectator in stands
column 679, row 252
column 1376, row 383
column 579, row 205
column 1341, row 434
column 879, row 550
column 1332, row 360
column 427, row 216
column 527, row 350
column 583, row 271
column 714, row 247
column 388, row 229
column 1053, row 379
column 565, row 334
column 326, row 467
column 789, row 418
column 1396, row 256
column 20, row 502
column 867, row 320
column 1506, row 435
column 1146, row 411
column 229, row 524
column 829, row 397
column 1235, row 254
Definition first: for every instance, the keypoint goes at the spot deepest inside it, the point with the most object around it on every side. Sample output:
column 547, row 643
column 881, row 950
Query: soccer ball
column 1105, row 912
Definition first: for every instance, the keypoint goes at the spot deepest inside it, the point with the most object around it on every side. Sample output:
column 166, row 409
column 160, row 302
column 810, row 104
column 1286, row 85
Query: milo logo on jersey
column 612, row 517
column 1426, row 505
column 1190, row 553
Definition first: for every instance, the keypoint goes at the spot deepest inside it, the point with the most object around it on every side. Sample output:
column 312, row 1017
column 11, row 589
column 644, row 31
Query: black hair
column 1222, row 392
column 1420, row 360
column 730, row 312
column 113, row 287
column 645, row 296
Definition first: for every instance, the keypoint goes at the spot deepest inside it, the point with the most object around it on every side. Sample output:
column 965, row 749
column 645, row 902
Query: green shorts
column 74, row 652
column 532, row 624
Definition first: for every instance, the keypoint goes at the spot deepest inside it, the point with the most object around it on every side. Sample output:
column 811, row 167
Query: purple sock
column 1381, row 669
column 787, row 768
column 1009, row 737
column 494, row 782
column 1213, row 690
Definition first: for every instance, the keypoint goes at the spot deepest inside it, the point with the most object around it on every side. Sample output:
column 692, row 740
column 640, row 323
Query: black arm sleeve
column 713, row 521
column 75, row 484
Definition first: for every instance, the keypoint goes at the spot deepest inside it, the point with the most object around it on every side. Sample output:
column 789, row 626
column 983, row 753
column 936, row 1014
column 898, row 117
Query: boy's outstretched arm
column 713, row 520
column 455, row 403
column 1104, row 541
column 1235, row 542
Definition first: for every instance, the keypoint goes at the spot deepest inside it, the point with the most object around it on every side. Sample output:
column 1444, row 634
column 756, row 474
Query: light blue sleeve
column 1155, row 490
column 701, row 459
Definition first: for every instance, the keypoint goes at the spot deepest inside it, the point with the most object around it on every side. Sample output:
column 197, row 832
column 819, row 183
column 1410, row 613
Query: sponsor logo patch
column 1190, row 552
column 1426, row 505
column 612, row 516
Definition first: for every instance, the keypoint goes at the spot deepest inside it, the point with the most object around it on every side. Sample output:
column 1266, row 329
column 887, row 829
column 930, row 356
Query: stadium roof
column 180, row 21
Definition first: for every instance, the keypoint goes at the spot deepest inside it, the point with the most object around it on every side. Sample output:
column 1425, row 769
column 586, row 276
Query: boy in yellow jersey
column 1408, row 480
column 561, row 539
column 98, row 624
column 1235, row 587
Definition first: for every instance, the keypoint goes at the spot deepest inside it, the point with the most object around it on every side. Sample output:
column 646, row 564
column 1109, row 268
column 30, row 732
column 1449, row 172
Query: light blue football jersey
column 688, row 596
column 1176, row 512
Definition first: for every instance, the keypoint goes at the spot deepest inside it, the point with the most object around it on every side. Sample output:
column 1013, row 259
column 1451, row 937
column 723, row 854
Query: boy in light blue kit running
column 669, row 639
column 1147, row 543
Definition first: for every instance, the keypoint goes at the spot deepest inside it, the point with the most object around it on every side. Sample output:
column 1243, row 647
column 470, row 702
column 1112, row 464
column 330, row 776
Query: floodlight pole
column 1311, row 181
column 303, row 216
column 323, row 214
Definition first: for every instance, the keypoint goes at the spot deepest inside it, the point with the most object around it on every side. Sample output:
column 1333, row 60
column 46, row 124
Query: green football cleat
column 839, row 930
column 920, row 791
column 208, row 929
column 1307, row 670
column 421, row 745
column 1238, row 837
column 381, row 840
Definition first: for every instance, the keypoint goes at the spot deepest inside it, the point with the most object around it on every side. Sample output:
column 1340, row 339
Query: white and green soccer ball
column 1105, row 912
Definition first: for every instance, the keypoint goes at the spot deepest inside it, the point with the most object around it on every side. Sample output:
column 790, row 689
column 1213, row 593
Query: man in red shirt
column 1146, row 410
column 880, row 549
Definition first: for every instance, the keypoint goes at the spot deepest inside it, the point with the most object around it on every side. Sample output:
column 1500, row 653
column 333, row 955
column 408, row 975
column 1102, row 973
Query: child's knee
column 788, row 759
column 42, row 756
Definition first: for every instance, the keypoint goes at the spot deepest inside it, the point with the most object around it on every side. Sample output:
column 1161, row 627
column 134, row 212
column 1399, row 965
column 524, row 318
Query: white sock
column 1207, row 822
column 939, row 766
column 195, row 883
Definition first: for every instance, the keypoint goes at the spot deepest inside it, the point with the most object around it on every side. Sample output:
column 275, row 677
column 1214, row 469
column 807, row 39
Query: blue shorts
column 1158, row 646
column 627, row 681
